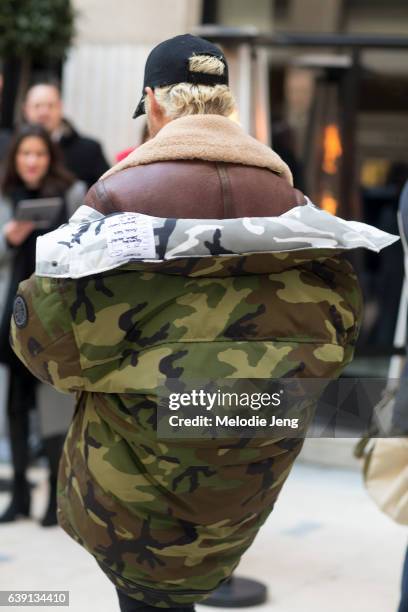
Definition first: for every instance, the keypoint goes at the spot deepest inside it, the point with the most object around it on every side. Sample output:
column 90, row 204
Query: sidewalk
column 325, row 548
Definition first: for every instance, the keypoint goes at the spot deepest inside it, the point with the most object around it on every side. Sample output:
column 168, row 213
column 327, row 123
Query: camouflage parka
column 121, row 300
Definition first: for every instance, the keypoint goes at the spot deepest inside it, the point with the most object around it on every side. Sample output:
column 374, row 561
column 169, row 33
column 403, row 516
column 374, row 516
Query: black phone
column 43, row 212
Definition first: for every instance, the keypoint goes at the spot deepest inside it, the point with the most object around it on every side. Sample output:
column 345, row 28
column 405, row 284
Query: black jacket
column 83, row 156
column 22, row 267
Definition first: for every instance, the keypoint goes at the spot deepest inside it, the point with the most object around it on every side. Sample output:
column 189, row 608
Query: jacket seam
column 71, row 332
column 225, row 190
column 104, row 197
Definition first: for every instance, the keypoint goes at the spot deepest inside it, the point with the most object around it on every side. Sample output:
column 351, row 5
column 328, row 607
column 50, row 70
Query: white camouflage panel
column 92, row 243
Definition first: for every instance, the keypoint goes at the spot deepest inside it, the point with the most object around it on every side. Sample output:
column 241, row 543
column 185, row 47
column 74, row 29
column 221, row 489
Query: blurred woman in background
column 32, row 170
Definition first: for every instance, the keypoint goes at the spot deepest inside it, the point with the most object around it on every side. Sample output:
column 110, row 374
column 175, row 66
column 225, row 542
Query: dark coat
column 82, row 155
column 18, row 263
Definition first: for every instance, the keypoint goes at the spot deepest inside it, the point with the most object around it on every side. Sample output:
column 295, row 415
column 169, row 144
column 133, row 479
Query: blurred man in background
column 83, row 156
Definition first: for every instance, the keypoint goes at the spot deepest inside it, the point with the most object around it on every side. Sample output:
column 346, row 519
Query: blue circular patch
column 20, row 312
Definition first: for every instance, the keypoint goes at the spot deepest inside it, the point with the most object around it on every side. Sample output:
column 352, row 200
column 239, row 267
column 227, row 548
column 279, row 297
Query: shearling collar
column 205, row 137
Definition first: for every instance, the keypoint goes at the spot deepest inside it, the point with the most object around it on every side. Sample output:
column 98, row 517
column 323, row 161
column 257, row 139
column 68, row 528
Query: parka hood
column 92, row 243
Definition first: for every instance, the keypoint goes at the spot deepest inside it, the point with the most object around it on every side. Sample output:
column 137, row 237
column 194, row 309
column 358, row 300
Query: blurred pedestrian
column 400, row 414
column 400, row 411
column 82, row 156
column 32, row 170
column 386, row 466
column 390, row 273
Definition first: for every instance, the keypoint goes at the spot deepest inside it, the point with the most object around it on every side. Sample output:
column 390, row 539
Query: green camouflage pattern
column 169, row 521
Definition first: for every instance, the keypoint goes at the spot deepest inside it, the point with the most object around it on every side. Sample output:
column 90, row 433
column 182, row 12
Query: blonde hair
column 188, row 99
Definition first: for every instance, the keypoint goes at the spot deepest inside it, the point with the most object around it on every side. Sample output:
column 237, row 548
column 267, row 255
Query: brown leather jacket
column 195, row 190
column 172, row 176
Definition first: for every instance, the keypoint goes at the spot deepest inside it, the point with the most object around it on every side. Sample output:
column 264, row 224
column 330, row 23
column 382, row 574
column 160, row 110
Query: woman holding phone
column 32, row 170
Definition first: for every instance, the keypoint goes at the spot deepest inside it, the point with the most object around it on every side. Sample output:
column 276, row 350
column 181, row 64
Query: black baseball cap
column 168, row 64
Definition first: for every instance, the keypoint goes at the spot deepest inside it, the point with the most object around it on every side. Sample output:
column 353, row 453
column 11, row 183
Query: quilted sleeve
column 42, row 335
